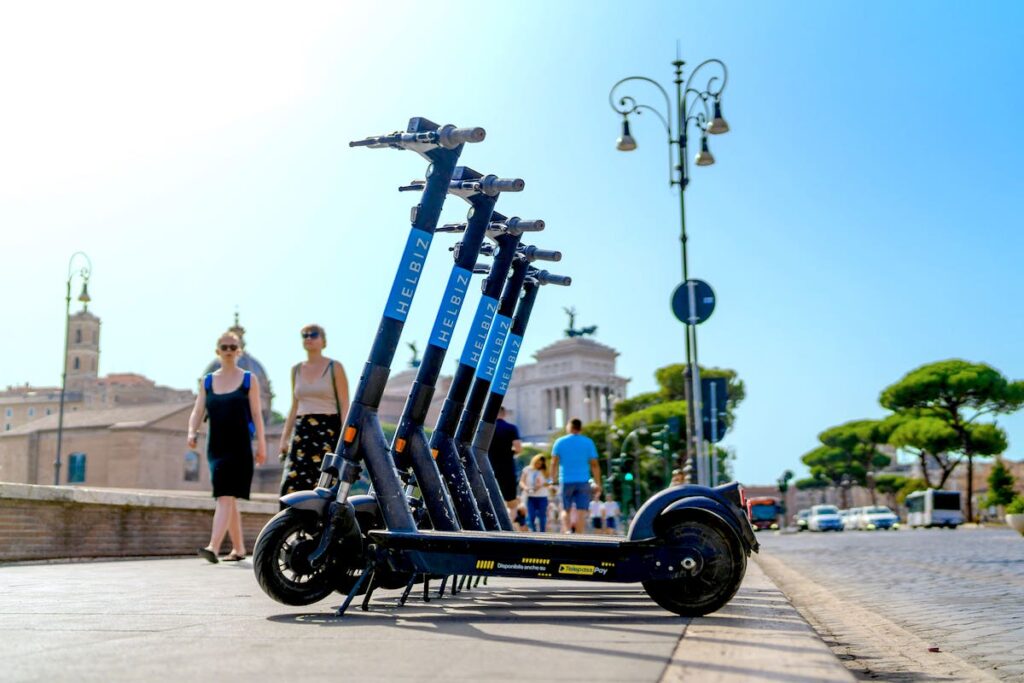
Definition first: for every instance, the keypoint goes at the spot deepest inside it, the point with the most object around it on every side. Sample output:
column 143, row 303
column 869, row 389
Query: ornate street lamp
column 83, row 272
column 700, row 108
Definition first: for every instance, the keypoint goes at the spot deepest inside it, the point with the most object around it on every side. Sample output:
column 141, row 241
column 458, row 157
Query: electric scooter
column 297, row 554
column 687, row 546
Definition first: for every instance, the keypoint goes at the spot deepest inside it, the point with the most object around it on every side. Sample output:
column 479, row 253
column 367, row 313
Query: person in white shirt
column 612, row 513
column 597, row 513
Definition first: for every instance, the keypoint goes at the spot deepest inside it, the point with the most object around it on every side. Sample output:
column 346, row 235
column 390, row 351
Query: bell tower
column 83, row 359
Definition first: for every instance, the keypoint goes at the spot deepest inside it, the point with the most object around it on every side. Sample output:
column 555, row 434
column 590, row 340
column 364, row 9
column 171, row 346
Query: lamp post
column 678, row 119
column 82, row 272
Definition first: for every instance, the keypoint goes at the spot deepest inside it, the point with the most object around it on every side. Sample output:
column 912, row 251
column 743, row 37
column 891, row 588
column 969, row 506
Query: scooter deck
column 581, row 558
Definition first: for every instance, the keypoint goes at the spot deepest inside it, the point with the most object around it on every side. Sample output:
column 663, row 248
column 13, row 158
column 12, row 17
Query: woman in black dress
column 231, row 398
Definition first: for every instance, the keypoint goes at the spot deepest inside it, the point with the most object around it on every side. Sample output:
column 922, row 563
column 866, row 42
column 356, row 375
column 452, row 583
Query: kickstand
column 469, row 582
column 355, row 590
column 369, row 591
column 455, row 581
column 462, row 583
column 477, row 583
column 485, row 580
column 408, row 589
column 440, row 591
column 426, row 588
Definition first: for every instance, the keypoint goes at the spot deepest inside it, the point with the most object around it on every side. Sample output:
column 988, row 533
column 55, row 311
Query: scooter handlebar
column 518, row 225
column 451, row 137
column 492, row 185
column 447, row 136
column 534, row 254
column 546, row 278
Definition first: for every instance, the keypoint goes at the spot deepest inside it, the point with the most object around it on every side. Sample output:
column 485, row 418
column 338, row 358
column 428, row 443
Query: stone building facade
column 574, row 377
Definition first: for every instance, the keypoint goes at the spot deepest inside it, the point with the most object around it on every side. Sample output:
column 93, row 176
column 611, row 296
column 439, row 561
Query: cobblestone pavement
column 961, row 591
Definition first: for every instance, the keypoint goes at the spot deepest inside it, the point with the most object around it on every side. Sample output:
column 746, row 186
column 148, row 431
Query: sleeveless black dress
column 229, row 444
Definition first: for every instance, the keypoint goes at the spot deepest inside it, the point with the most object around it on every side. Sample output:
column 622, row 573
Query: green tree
column 859, row 441
column 1000, row 485
column 958, row 393
column 832, row 465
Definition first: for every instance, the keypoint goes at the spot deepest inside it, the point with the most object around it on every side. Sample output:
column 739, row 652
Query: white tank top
column 316, row 397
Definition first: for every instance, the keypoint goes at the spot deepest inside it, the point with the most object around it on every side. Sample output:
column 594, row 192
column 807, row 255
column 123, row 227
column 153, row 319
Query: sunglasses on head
column 312, row 334
column 229, row 347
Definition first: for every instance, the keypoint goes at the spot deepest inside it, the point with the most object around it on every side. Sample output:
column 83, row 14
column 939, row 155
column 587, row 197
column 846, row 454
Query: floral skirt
column 314, row 436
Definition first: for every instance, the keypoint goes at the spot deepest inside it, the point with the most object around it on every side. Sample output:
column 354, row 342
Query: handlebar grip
column 546, row 278
column 451, row 227
column 535, row 254
column 451, row 137
column 492, row 185
column 521, row 225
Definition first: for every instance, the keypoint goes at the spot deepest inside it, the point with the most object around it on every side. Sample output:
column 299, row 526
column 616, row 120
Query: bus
column 763, row 512
column 930, row 508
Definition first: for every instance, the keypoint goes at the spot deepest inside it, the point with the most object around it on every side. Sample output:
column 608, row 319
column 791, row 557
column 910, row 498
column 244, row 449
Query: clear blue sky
column 863, row 217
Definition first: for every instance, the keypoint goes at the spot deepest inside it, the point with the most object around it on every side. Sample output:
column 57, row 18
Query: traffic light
column 714, row 398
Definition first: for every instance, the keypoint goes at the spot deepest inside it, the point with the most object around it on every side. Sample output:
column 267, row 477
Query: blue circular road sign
column 693, row 302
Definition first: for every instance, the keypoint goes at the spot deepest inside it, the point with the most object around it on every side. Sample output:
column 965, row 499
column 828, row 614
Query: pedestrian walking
column 534, row 482
column 573, row 462
column 597, row 513
column 612, row 514
column 505, row 446
column 230, row 397
column 319, row 404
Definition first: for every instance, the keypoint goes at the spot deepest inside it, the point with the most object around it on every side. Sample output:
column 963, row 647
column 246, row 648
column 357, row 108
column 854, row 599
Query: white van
column 934, row 508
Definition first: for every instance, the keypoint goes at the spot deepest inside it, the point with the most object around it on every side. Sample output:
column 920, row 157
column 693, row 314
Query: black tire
column 279, row 559
column 722, row 564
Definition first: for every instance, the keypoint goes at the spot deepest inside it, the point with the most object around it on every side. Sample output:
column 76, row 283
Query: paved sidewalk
column 183, row 619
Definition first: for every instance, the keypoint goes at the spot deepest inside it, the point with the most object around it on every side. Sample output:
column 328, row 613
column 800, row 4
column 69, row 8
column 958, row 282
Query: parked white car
column 877, row 517
column 824, row 518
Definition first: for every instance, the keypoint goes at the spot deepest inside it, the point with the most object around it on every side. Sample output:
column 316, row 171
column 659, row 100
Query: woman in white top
column 319, row 404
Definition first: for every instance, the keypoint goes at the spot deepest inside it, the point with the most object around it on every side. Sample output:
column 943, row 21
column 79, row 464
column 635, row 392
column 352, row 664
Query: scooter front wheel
column 281, row 562
column 712, row 567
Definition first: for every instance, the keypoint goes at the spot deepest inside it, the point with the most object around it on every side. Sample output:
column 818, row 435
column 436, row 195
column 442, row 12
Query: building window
column 77, row 364
column 191, row 466
column 76, row 468
column 31, row 412
column 78, row 336
column 49, row 411
column 8, row 413
column 7, row 426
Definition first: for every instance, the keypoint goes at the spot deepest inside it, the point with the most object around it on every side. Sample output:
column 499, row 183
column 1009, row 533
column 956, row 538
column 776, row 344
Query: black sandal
column 208, row 555
column 233, row 557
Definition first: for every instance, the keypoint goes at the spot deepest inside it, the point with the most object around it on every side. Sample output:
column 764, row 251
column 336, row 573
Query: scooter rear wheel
column 280, row 559
column 719, row 565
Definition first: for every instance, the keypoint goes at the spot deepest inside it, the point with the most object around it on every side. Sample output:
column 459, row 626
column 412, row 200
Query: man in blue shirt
column 574, row 462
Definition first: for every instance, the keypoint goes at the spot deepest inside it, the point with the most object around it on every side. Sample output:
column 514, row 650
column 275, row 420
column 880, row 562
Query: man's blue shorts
column 577, row 493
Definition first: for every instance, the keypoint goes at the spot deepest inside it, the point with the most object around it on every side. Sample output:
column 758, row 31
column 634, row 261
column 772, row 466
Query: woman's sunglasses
column 229, row 347
column 312, row 334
